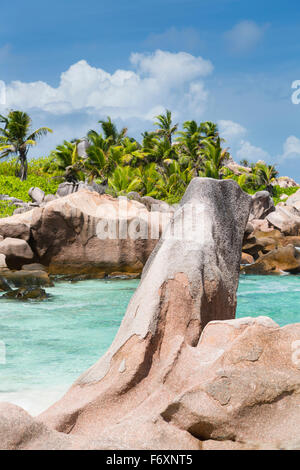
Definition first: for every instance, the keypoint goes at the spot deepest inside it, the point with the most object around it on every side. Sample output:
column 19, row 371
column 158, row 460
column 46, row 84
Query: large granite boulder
column 19, row 430
column 14, row 227
column 92, row 186
column 64, row 189
column 285, row 182
column 294, row 200
column 86, row 233
column 262, row 205
column 181, row 373
column 37, row 195
column 237, row 388
column 16, row 251
column 82, row 147
column 281, row 259
column 285, row 218
column 190, row 279
column 23, row 278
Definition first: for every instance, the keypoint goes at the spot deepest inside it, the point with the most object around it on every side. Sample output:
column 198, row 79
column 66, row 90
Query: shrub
column 12, row 186
column 278, row 191
column 6, row 209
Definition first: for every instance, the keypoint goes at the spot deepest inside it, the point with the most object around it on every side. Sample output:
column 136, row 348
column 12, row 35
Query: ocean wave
column 34, row 401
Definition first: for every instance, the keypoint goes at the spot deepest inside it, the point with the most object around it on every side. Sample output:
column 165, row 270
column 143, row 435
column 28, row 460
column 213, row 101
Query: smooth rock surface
column 286, row 218
column 262, row 205
column 294, row 200
column 70, row 234
column 187, row 282
column 237, row 388
column 17, row 252
column 37, row 195
column 23, row 278
column 176, row 376
column 277, row 261
column 285, row 182
column 2, row 261
column 14, row 227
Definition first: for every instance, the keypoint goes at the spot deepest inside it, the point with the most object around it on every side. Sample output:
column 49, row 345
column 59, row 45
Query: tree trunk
column 24, row 166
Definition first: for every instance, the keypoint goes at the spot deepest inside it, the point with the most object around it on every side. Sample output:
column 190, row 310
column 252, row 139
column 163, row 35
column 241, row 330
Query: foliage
column 12, row 186
column 278, row 191
column 161, row 165
column 16, row 137
column 6, row 209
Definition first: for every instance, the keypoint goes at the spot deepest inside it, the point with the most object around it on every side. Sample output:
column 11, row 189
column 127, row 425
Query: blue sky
column 72, row 63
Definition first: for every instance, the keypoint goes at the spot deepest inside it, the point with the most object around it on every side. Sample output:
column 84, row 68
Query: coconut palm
column 16, row 138
column 166, row 128
column 111, row 132
column 265, row 174
column 215, row 156
column 65, row 154
column 190, row 145
column 124, row 180
column 209, row 130
column 66, row 158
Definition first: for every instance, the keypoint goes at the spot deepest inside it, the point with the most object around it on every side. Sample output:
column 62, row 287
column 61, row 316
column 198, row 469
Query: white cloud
column 231, row 131
column 173, row 38
column 157, row 81
column 291, row 148
column 170, row 67
column 249, row 152
column 244, row 36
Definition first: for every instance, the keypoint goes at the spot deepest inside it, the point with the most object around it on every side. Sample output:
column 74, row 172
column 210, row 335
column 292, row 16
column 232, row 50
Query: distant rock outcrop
column 273, row 229
column 86, row 233
column 262, row 205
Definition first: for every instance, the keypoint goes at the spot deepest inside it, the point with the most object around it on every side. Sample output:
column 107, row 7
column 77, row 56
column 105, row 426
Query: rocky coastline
column 58, row 236
column 182, row 373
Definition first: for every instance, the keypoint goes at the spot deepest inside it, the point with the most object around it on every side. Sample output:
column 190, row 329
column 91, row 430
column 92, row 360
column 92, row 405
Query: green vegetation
column 38, row 176
column 161, row 165
column 12, row 186
column 16, row 137
column 277, row 192
column 6, row 209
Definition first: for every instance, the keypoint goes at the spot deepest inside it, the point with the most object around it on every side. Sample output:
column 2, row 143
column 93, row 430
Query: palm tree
column 190, row 145
column 111, row 132
column 215, row 157
column 209, row 130
column 124, row 180
column 265, row 174
column 96, row 163
column 16, row 138
column 166, row 128
column 66, row 158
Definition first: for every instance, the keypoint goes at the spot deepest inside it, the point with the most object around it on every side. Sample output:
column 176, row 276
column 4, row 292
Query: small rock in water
column 31, row 293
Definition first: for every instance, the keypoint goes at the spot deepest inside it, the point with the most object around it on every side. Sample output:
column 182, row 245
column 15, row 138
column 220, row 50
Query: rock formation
column 237, row 388
column 190, row 279
column 65, row 234
column 262, row 205
column 269, row 233
column 281, row 259
column 16, row 251
column 181, row 373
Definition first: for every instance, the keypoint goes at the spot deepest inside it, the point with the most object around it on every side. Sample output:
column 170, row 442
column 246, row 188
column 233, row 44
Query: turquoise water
column 49, row 344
